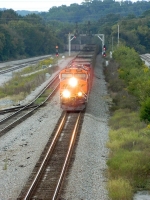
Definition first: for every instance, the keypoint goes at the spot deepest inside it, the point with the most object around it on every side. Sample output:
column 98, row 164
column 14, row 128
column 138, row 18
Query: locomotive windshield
column 80, row 76
column 63, row 76
column 76, row 75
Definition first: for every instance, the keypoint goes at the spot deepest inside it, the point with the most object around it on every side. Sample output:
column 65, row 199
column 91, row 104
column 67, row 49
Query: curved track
column 22, row 113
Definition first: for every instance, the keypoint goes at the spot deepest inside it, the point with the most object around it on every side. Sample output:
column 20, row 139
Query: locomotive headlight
column 79, row 94
column 66, row 93
column 73, row 82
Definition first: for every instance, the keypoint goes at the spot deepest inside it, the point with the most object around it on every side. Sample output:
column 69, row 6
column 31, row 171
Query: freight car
column 76, row 80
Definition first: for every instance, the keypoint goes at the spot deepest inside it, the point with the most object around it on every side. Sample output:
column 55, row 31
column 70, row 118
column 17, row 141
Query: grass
column 129, row 139
column 129, row 157
column 5, row 164
column 30, row 69
column 120, row 189
column 43, row 96
column 20, row 86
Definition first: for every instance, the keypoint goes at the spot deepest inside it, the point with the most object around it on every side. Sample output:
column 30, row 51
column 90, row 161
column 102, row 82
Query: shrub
column 145, row 110
column 2, row 94
column 131, row 165
column 120, row 189
column 124, row 118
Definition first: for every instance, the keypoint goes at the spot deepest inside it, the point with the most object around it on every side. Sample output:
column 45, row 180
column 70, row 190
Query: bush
column 120, row 189
column 145, row 110
column 131, row 165
column 129, row 158
column 2, row 94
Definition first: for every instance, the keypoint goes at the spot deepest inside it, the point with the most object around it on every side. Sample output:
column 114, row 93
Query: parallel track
column 4, row 70
column 22, row 113
column 47, row 178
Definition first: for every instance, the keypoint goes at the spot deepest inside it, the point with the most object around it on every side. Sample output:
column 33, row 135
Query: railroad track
column 4, row 70
column 10, row 69
column 46, row 180
column 21, row 113
column 13, row 109
column 146, row 58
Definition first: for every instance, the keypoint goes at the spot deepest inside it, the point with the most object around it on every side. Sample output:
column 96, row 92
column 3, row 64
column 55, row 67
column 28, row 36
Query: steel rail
column 25, row 115
column 21, row 65
column 61, row 125
column 23, row 108
column 69, row 152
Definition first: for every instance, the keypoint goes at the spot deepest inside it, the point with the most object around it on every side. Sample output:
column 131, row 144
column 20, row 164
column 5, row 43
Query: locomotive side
column 76, row 80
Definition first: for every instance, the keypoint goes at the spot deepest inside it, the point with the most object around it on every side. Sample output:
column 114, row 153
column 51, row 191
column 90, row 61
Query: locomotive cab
column 73, row 88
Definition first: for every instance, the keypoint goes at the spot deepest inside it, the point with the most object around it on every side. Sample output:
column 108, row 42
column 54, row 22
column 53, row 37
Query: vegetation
column 135, row 75
column 127, row 76
column 38, row 34
column 129, row 160
column 27, row 36
column 43, row 96
column 120, row 189
column 28, row 79
column 94, row 10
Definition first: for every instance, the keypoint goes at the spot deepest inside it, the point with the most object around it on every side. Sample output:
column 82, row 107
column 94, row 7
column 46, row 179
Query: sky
column 35, row 5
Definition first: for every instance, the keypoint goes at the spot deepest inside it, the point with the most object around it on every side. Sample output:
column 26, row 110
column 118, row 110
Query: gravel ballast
column 21, row 147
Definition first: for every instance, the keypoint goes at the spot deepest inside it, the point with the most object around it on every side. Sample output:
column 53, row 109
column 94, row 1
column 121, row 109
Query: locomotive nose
column 73, row 82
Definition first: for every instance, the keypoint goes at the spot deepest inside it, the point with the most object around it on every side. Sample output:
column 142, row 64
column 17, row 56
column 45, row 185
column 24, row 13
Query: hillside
column 38, row 34
column 94, row 10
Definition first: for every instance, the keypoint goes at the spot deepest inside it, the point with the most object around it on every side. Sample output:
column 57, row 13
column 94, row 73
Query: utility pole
column 69, row 41
column 102, row 38
column 118, row 35
column 112, row 44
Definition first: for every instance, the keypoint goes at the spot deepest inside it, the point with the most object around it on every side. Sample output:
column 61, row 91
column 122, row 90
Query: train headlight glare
column 79, row 94
column 73, row 82
column 66, row 93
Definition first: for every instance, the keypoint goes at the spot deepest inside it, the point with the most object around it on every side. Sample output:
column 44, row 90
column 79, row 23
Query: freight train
column 76, row 79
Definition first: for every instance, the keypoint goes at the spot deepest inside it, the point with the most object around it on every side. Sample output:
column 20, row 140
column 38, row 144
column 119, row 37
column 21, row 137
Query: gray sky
column 35, row 5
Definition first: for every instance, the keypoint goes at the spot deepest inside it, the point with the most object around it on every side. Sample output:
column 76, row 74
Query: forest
column 38, row 34
column 94, row 10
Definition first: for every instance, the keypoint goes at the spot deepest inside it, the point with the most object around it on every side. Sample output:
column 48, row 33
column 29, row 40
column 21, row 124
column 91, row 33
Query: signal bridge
column 72, row 36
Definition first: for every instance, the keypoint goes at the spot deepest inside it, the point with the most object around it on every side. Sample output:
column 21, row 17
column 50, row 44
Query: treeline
column 94, row 10
column 134, row 31
column 33, row 35
column 26, row 36
column 136, row 78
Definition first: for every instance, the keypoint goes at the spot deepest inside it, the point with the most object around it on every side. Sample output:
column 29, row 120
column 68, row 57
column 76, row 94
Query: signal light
column 57, row 50
column 104, row 54
column 104, row 48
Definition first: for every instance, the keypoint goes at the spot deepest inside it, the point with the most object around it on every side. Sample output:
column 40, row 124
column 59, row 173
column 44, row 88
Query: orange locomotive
column 75, row 83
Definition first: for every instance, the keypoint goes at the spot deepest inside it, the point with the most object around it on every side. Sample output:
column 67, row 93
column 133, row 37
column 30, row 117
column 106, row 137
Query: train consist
column 76, row 79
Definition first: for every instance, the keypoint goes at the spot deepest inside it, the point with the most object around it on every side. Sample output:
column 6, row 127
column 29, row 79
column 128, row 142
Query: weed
column 5, row 164
column 120, row 189
column 129, row 158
